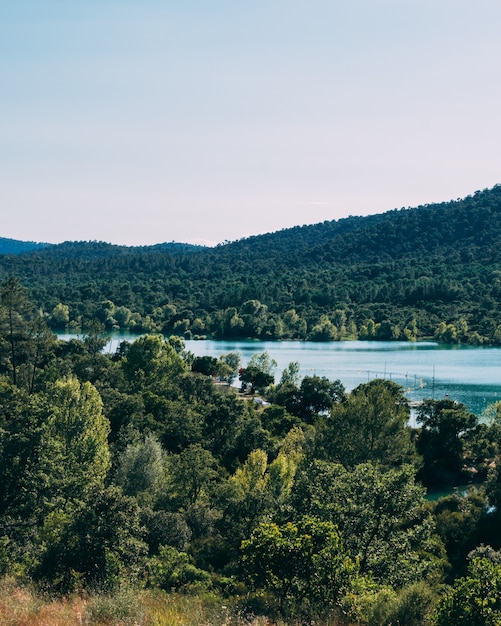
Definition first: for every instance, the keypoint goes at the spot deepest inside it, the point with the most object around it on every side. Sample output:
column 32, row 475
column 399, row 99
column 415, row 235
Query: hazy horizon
column 142, row 123
column 214, row 243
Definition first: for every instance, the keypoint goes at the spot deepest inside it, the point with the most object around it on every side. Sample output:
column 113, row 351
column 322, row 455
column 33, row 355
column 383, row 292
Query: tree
column 474, row 600
column 190, row 475
column 254, row 379
column 206, row 365
column 122, row 316
column 150, row 361
column 295, row 326
column 42, row 343
column 258, row 375
column 54, row 454
column 232, row 362
column 316, row 395
column 141, row 469
column 100, row 547
column 371, row 425
column 75, row 441
column 369, row 330
column 61, row 315
column 255, row 316
column 303, row 564
column 278, row 421
column 15, row 312
column 250, row 487
column 290, row 375
column 324, row 330
column 23, row 479
column 172, row 569
column 93, row 339
column 460, row 522
column 263, row 362
column 446, row 333
column 381, row 515
column 445, row 425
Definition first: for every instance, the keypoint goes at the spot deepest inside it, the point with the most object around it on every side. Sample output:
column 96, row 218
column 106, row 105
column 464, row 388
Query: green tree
column 41, row 347
column 254, row 380
column 460, row 522
column 93, row 339
column 232, row 362
column 15, row 313
column 190, row 475
column 100, row 548
column 446, row 333
column 23, row 479
column 255, row 317
column 295, row 326
column 206, row 365
column 61, row 314
column 263, row 362
column 278, row 421
column 371, row 425
column 381, row 514
column 141, row 469
column 303, row 564
column 445, row 426
column 290, row 375
column 122, row 316
column 324, row 330
column 151, row 361
column 369, row 330
column 317, row 394
column 172, row 569
column 250, row 487
column 75, row 441
column 228, row 323
column 474, row 600
column 258, row 375
column 497, row 335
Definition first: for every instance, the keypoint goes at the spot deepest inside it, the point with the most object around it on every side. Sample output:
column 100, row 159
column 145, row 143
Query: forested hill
column 471, row 224
column 14, row 246
column 434, row 270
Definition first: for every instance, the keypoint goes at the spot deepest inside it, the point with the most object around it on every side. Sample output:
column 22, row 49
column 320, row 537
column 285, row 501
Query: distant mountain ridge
column 404, row 270
column 97, row 248
column 15, row 246
column 469, row 221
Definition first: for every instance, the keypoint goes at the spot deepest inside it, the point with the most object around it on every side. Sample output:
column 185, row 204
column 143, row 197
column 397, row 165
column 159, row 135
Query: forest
column 432, row 271
column 146, row 475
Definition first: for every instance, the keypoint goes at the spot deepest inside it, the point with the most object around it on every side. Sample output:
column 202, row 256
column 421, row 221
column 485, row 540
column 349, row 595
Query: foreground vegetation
column 431, row 271
column 142, row 488
column 26, row 606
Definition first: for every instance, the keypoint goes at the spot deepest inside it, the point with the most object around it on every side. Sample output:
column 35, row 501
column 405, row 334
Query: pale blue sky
column 137, row 122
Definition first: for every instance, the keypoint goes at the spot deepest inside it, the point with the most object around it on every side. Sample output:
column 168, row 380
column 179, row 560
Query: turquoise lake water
column 468, row 374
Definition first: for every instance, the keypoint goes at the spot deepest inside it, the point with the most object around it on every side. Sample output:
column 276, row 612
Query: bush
column 172, row 570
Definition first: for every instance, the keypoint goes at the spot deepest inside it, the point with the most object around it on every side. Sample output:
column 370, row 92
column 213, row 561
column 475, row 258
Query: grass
column 23, row 606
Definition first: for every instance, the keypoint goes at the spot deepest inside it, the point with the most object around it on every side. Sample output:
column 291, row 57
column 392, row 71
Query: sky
column 143, row 121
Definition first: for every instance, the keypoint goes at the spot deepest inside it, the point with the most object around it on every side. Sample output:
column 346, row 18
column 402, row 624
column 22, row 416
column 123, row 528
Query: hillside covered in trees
column 430, row 271
column 145, row 470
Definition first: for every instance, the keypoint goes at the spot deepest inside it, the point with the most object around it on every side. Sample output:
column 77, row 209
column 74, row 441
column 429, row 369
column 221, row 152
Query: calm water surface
column 468, row 374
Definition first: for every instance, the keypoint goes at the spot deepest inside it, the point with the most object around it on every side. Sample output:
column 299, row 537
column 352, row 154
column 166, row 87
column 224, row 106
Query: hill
column 405, row 274
column 14, row 246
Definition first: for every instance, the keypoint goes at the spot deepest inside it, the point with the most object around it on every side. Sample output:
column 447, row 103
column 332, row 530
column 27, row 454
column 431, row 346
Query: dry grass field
column 22, row 606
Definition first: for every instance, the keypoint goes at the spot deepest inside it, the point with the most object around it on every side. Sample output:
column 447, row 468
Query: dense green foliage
column 139, row 468
column 13, row 246
column 431, row 271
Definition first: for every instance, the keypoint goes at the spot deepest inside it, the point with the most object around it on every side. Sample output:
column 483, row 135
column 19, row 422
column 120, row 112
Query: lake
column 468, row 374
